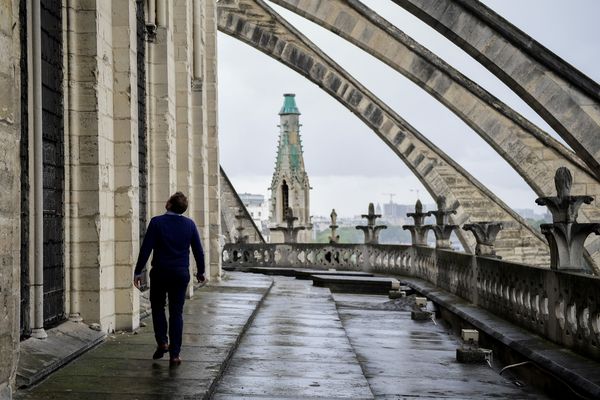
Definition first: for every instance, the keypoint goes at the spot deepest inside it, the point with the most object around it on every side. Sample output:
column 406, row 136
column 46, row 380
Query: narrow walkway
column 296, row 348
column 122, row 367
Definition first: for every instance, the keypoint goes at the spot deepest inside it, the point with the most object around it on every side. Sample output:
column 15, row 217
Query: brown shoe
column 160, row 351
column 174, row 361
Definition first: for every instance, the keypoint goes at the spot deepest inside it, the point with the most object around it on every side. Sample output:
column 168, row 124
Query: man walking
column 170, row 237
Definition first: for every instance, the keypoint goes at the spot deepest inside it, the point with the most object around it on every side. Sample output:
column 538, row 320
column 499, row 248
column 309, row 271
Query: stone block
column 420, row 315
column 421, row 302
column 396, row 294
column 472, row 355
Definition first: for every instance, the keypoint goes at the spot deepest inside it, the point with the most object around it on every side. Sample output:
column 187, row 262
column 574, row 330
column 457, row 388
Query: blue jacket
column 170, row 236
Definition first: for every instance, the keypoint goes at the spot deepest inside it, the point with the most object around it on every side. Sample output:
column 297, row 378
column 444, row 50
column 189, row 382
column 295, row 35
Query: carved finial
column 563, row 180
column 441, row 203
column 371, row 209
column 333, row 216
column 418, row 207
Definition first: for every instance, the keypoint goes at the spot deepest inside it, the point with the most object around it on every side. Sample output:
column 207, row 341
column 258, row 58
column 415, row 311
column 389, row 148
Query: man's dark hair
column 178, row 203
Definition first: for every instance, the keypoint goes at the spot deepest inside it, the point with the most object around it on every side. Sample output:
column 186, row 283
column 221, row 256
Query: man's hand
column 200, row 277
column 137, row 281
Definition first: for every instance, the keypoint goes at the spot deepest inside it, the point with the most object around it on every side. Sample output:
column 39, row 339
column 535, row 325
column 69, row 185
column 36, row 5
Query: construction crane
column 391, row 196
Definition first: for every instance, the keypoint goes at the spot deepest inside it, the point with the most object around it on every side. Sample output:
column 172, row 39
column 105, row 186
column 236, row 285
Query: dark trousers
column 171, row 282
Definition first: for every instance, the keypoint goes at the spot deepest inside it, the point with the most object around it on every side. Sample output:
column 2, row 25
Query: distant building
column 258, row 208
column 290, row 187
column 396, row 213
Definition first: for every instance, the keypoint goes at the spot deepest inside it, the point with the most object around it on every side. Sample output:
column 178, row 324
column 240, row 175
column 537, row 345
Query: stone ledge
column 579, row 372
column 39, row 358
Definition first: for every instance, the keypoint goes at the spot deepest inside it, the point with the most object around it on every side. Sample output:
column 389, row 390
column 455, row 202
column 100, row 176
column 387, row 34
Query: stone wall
column 230, row 206
column 10, row 111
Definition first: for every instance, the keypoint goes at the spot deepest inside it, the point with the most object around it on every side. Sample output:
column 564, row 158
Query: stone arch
column 564, row 97
column 533, row 153
column 254, row 23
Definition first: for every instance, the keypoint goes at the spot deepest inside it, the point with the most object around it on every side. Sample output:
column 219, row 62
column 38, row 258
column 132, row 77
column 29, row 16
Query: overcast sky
column 348, row 165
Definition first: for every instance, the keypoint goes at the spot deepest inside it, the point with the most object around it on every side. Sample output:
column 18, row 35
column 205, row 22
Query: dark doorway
column 53, row 159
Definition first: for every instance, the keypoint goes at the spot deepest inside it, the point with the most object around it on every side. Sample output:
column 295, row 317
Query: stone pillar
column 183, row 43
column 371, row 230
column 200, row 212
column 565, row 235
column 10, row 183
column 333, row 238
column 442, row 229
column 126, row 162
column 418, row 231
column 212, row 143
column 161, row 110
column 91, row 164
column 485, row 234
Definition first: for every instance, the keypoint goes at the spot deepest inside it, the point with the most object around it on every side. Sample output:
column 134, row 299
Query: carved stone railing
column 563, row 307
column 354, row 257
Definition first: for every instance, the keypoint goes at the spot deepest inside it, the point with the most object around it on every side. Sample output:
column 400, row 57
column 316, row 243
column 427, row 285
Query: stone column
column 10, row 183
column 212, row 144
column 200, row 132
column 91, row 163
column 126, row 162
column 183, row 43
column 161, row 111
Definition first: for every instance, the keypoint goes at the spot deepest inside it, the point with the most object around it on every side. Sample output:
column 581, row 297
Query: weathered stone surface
column 10, row 183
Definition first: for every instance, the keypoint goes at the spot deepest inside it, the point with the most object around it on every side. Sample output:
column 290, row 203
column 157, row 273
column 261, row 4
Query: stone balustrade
column 558, row 305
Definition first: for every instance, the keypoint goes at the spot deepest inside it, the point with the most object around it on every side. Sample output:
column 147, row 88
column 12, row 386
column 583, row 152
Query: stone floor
column 301, row 342
column 405, row 359
column 296, row 348
column 122, row 367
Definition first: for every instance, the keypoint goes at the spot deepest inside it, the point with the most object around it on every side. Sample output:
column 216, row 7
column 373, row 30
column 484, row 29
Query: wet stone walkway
column 406, row 359
column 296, row 348
column 296, row 341
column 122, row 367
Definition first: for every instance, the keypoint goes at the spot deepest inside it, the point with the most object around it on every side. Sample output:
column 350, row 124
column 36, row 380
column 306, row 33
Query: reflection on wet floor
column 304, row 343
column 402, row 358
column 296, row 348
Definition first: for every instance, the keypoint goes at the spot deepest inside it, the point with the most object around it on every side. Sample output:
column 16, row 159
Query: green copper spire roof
column 289, row 105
